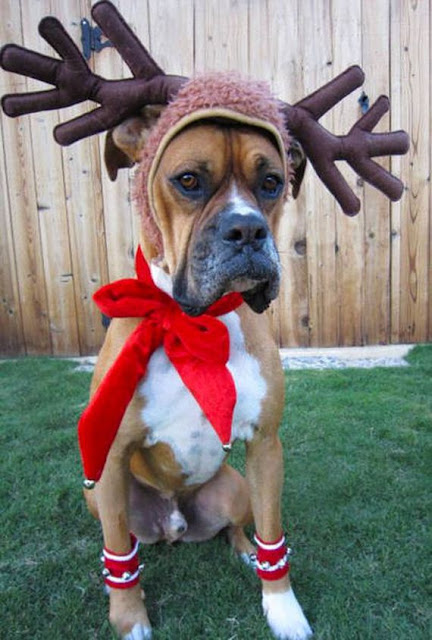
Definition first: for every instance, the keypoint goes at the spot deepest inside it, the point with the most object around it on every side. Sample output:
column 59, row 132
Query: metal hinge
column 91, row 39
column 364, row 102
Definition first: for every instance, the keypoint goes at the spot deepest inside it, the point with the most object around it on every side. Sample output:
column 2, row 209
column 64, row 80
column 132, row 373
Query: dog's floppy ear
column 298, row 163
column 124, row 143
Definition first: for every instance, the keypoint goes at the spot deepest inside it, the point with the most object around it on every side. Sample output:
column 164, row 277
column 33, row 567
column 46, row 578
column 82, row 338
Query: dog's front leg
column 127, row 611
column 265, row 475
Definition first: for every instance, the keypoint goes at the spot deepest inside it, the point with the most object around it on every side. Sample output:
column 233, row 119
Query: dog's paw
column 139, row 632
column 128, row 615
column 249, row 559
column 285, row 616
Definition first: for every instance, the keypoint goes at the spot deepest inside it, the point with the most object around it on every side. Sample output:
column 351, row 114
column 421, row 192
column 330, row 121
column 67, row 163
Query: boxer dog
column 189, row 363
column 211, row 187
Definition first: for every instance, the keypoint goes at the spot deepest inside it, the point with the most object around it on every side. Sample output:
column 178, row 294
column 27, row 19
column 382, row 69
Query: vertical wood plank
column 315, row 42
column 50, row 195
column 221, row 35
column 171, row 30
column 376, row 290
column 292, row 304
column 11, row 329
column 263, row 66
column 83, row 195
column 415, row 71
column 346, row 27
column 116, row 209
column 136, row 13
column 22, row 199
column 11, row 326
column 396, row 119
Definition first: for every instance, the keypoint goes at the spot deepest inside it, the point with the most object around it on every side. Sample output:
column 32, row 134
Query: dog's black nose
column 241, row 230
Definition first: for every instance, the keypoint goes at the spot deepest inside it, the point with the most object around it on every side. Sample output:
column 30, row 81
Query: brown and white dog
column 213, row 186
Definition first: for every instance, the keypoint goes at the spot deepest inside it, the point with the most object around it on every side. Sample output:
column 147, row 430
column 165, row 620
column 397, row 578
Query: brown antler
column 75, row 82
column 357, row 147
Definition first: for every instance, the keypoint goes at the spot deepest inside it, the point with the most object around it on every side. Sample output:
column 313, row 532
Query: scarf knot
column 198, row 348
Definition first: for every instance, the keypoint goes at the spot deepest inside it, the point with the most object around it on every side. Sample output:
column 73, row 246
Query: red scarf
column 197, row 347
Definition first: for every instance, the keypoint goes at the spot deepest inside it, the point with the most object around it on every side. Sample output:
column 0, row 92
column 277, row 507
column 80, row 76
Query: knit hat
column 209, row 96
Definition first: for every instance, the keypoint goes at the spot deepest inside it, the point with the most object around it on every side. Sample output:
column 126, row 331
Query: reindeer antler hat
column 118, row 99
column 210, row 96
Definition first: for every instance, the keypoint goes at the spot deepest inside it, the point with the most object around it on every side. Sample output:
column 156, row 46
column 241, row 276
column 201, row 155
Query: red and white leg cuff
column 122, row 571
column 272, row 560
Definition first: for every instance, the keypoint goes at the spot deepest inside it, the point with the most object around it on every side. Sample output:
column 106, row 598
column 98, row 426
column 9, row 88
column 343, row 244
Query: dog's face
column 217, row 195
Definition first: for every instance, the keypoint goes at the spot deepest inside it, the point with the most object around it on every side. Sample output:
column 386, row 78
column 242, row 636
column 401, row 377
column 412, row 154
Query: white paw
column 139, row 632
column 285, row 616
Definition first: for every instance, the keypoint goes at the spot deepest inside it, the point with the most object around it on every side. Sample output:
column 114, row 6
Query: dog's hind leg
column 154, row 515
column 222, row 503
column 241, row 544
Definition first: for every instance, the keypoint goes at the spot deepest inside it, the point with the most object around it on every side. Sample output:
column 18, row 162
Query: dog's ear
column 298, row 163
column 124, row 143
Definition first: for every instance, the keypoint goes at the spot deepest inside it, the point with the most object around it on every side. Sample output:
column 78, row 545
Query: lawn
column 357, row 504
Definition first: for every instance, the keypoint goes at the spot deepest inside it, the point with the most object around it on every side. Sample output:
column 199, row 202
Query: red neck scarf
column 197, row 347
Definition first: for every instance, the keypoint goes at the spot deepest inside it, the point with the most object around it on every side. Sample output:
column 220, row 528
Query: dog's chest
column 173, row 416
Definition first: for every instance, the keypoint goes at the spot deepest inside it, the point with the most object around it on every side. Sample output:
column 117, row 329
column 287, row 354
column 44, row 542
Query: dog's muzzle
column 232, row 252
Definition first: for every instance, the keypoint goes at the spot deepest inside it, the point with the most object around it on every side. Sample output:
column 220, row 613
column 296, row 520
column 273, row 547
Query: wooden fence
column 65, row 229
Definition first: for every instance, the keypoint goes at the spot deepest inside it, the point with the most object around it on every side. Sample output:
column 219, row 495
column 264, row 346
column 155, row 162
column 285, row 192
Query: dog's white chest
column 173, row 416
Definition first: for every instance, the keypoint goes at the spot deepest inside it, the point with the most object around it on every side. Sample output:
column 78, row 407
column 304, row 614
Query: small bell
column 89, row 484
column 227, row 447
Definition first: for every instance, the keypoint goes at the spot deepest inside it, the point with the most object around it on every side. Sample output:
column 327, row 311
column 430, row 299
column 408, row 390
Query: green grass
column 356, row 506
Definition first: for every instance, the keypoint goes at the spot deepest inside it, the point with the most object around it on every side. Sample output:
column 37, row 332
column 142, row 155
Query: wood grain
column 23, row 206
column 51, row 204
column 415, row 256
column 377, row 220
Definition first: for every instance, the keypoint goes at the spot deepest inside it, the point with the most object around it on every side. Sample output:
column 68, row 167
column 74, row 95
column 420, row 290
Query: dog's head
column 217, row 193
column 212, row 185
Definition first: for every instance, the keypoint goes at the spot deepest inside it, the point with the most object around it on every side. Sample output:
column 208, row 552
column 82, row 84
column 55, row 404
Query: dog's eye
column 271, row 186
column 189, row 182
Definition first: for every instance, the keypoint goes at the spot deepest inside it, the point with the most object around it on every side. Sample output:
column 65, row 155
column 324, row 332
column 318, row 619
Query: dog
column 212, row 183
column 189, row 363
